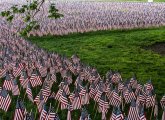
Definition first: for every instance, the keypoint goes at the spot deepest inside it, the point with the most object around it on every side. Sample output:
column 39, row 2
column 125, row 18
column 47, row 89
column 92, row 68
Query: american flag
column 86, row 97
column 40, row 103
column 129, row 95
column 43, row 113
column 15, row 88
column 133, row 111
column 46, row 91
column 103, row 104
column 150, row 100
column 8, row 82
column 59, row 93
column 29, row 92
column 141, row 114
column 66, row 87
column 24, row 80
column 70, row 108
column 43, row 71
column 18, row 69
column 76, row 101
column 113, row 115
column 92, row 92
column 138, row 89
column 148, row 87
column 98, row 94
column 140, row 99
column 162, row 102
column 52, row 115
column 116, row 99
column 19, row 111
column 5, row 100
column 29, row 116
column 119, row 115
column 35, row 79
column 64, row 101
column 2, row 72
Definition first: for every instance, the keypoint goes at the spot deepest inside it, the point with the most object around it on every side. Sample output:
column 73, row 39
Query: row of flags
column 92, row 16
column 24, row 66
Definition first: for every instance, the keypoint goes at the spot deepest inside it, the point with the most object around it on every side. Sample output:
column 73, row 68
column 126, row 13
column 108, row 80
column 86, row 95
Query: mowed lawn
column 122, row 51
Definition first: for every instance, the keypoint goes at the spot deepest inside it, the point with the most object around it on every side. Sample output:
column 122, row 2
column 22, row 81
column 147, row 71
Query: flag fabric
column 2, row 72
column 133, row 111
column 162, row 102
column 70, row 108
column 29, row 116
column 15, row 88
column 92, row 92
column 46, row 91
column 52, row 115
column 113, row 115
column 19, row 111
column 43, row 113
column 8, row 82
column 141, row 114
column 76, row 101
column 150, row 100
column 63, row 100
column 119, row 115
column 115, row 99
column 29, row 92
column 5, row 100
column 129, row 95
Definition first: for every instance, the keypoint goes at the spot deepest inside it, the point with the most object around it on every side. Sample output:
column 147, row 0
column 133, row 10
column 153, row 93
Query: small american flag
column 141, row 114
column 15, row 88
column 76, row 101
column 19, row 111
column 129, row 95
column 162, row 102
column 119, row 115
column 64, row 101
column 116, row 99
column 5, row 100
column 52, row 115
column 92, row 92
column 2, row 72
column 70, row 108
column 43, row 113
column 133, row 111
column 29, row 92
column 8, row 82
column 150, row 100
column 113, row 116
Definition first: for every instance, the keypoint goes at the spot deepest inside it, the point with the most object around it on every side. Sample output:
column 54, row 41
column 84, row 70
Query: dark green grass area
column 116, row 50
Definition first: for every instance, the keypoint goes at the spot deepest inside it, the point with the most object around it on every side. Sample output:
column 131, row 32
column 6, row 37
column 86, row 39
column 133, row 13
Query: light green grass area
column 116, row 50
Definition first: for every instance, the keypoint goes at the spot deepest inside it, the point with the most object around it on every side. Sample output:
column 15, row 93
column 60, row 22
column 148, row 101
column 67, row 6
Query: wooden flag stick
column 57, row 107
column 95, row 114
